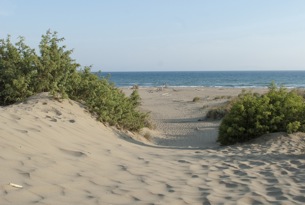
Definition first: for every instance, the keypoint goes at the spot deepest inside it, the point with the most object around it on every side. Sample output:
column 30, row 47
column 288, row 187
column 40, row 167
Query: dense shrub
column 253, row 115
column 24, row 73
column 17, row 70
column 108, row 102
column 55, row 67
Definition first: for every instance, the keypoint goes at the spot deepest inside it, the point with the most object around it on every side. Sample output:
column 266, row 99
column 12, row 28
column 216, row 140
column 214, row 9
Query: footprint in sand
column 274, row 192
column 183, row 161
column 124, row 168
column 229, row 184
column 170, row 188
column 79, row 175
column 244, row 166
column 34, row 130
column 22, row 131
column 206, row 202
column 239, row 173
column 299, row 199
column 73, row 153
column 257, row 163
column 15, row 117
column 26, row 174
column 58, row 112
column 52, row 119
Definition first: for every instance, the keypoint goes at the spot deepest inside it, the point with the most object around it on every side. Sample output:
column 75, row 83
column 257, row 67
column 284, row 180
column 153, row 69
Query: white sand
column 180, row 122
column 61, row 155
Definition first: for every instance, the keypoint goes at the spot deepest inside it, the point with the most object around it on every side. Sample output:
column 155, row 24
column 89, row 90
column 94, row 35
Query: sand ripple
column 84, row 162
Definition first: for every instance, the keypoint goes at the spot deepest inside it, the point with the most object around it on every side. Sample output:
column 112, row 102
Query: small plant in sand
column 221, row 97
column 217, row 113
column 253, row 115
column 196, row 99
column 204, row 107
column 135, row 87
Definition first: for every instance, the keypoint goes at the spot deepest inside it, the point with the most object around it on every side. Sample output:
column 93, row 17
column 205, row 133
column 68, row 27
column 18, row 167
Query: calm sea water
column 294, row 79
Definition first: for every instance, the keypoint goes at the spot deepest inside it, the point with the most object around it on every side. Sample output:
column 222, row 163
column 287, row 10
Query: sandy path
column 180, row 122
column 60, row 155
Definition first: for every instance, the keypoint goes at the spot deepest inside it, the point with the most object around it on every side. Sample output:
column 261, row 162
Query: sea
column 232, row 79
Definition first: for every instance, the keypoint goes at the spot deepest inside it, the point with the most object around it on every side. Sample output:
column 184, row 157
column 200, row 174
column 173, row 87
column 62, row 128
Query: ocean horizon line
column 185, row 71
column 241, row 79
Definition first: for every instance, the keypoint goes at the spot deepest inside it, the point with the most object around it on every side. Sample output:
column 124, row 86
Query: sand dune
column 60, row 155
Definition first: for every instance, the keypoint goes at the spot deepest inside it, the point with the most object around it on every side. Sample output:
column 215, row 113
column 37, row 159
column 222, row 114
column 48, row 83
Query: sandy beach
column 57, row 153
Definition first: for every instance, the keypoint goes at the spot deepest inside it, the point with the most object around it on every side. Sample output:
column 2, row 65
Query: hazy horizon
column 167, row 35
column 242, row 70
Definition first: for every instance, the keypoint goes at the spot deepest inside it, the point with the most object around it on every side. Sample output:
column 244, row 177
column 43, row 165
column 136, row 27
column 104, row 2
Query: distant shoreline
column 175, row 71
column 217, row 79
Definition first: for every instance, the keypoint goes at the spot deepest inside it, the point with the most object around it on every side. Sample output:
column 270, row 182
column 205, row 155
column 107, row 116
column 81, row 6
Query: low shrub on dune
column 24, row 73
column 252, row 115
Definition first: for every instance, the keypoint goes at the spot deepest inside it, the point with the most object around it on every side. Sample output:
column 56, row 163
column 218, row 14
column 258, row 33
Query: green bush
column 55, row 67
column 17, row 70
column 24, row 73
column 108, row 102
column 253, row 115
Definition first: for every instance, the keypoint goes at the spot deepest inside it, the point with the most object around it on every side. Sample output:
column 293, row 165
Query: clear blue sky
column 141, row 35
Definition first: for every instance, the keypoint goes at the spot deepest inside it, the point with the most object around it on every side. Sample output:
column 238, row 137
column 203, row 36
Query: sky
column 166, row 35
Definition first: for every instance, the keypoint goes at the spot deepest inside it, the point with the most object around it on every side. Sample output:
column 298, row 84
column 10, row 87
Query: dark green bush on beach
column 253, row 115
column 24, row 73
column 108, row 102
column 17, row 69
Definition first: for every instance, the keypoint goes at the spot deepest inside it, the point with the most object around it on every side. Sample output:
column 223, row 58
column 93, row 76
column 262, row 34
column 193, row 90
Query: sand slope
column 61, row 155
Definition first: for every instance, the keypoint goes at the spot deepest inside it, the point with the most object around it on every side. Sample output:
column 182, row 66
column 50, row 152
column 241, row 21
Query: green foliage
column 293, row 127
column 55, row 67
column 108, row 102
column 17, row 69
column 253, row 115
column 24, row 73
column 135, row 98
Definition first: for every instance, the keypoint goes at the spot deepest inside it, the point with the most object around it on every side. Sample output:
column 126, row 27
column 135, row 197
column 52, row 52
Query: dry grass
column 196, row 99
column 147, row 136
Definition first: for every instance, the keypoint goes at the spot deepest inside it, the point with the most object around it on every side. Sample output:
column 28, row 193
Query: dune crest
column 60, row 154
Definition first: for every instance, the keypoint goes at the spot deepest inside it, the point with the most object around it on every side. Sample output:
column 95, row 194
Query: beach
column 55, row 152
column 179, row 121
